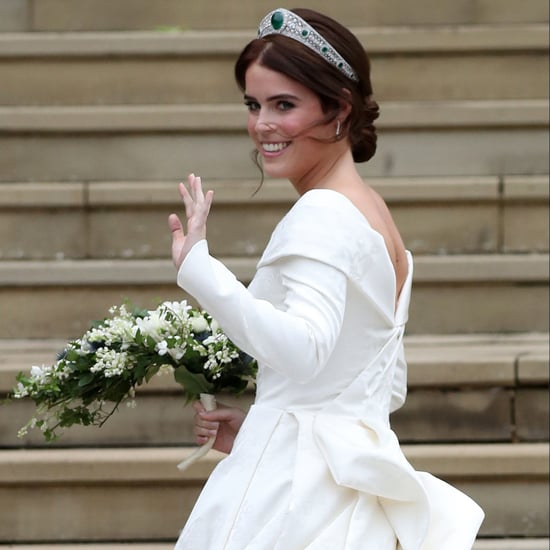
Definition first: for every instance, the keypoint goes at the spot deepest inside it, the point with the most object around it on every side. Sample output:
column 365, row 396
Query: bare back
column 373, row 207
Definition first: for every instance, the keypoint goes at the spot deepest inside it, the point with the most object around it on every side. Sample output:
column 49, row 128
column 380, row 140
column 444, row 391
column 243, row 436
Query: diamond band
column 281, row 21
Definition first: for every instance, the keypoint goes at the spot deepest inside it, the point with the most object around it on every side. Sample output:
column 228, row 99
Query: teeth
column 273, row 147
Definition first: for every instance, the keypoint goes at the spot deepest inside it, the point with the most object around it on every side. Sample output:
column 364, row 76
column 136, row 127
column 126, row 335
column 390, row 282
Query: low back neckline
column 397, row 293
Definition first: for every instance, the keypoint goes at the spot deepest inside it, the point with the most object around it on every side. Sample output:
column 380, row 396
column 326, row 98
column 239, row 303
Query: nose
column 263, row 124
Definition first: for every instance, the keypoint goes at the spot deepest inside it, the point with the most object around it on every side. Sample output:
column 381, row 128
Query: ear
column 345, row 104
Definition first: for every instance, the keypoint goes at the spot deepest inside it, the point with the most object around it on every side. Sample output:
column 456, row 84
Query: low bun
column 362, row 132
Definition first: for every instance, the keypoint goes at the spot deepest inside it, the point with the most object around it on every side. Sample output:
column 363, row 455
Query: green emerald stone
column 277, row 20
column 324, row 49
column 305, row 33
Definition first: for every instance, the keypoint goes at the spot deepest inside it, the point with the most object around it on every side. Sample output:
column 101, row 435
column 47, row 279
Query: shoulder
column 323, row 225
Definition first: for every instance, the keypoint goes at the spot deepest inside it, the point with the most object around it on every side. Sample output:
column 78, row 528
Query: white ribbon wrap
column 209, row 403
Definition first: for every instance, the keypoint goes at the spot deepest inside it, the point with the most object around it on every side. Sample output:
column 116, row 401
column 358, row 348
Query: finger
column 188, row 201
column 196, row 188
column 219, row 415
column 209, row 198
column 198, row 406
column 206, row 431
column 174, row 223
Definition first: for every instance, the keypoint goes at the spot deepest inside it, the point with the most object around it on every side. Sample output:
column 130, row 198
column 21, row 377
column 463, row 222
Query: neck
column 332, row 174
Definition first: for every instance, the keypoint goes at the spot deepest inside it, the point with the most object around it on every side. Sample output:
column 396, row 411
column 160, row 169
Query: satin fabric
column 316, row 464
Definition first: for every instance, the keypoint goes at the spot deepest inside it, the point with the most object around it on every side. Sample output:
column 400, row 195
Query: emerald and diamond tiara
column 287, row 23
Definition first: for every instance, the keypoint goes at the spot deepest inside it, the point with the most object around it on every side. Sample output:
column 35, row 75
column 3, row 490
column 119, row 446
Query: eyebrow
column 273, row 97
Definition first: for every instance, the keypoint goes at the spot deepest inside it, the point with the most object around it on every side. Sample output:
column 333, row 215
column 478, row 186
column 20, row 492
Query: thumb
column 175, row 226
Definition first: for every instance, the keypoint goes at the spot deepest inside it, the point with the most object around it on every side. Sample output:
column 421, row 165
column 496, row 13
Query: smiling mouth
column 275, row 147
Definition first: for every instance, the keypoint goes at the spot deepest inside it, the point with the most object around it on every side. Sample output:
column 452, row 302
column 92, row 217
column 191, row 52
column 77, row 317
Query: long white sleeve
column 297, row 340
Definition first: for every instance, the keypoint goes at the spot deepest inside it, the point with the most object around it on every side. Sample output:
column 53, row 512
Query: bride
column 314, row 464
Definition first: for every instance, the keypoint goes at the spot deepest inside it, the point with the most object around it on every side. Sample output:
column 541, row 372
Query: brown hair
column 298, row 62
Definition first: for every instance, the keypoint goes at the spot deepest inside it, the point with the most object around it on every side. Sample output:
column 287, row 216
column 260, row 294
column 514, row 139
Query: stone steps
column 138, row 494
column 453, row 294
column 84, row 15
column 484, row 388
column 481, row 544
column 152, row 143
column 509, row 62
column 95, row 128
column 107, row 220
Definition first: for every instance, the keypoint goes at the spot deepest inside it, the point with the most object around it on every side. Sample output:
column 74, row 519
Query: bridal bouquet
column 97, row 372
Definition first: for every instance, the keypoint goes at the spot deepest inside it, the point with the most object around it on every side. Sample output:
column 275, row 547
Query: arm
column 296, row 341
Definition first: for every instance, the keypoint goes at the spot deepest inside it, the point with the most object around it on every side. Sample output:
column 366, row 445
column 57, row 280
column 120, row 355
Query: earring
column 337, row 128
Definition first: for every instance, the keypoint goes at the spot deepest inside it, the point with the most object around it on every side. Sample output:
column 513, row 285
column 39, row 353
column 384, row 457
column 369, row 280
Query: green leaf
column 85, row 379
column 192, row 383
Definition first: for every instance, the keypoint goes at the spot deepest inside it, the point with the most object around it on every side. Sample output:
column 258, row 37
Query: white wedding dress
column 315, row 465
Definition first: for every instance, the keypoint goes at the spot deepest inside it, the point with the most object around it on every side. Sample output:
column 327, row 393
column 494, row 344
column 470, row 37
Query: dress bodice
column 320, row 317
column 370, row 337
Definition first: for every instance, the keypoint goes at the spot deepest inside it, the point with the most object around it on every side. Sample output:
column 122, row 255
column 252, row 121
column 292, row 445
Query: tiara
column 287, row 23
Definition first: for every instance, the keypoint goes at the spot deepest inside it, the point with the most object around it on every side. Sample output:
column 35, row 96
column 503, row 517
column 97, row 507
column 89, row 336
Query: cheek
column 251, row 125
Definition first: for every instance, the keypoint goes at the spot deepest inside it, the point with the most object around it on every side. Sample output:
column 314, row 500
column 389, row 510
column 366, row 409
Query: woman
column 314, row 464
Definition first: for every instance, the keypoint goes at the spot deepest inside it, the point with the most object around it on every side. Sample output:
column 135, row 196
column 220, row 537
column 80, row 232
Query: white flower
column 162, row 347
column 199, row 324
column 21, row 391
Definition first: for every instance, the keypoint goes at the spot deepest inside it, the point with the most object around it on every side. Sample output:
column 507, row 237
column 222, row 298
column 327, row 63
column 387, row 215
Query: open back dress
column 316, row 466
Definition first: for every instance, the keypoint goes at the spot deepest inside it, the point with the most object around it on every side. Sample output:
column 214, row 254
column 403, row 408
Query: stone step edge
column 232, row 117
column 69, row 466
column 473, row 361
column 150, row 193
column 465, row 269
column 377, row 40
column 480, row 544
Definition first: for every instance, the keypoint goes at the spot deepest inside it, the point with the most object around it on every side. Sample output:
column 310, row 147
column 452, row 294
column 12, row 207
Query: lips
column 275, row 147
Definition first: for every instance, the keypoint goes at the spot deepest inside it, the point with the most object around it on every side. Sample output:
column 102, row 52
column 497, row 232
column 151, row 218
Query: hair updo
column 298, row 62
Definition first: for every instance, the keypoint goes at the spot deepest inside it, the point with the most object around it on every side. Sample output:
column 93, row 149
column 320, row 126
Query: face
column 283, row 118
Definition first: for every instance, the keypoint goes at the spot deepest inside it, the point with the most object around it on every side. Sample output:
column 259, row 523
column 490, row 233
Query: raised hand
column 197, row 206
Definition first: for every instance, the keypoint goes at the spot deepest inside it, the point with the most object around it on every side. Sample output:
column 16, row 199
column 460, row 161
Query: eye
column 285, row 105
column 252, row 105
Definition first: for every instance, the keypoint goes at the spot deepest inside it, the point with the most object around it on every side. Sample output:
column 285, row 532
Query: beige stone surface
column 481, row 544
column 129, row 14
column 526, row 187
column 526, row 227
column 57, row 233
column 14, row 16
column 230, row 117
column 66, row 312
column 512, row 508
column 533, row 367
column 159, row 419
column 117, row 80
column 78, row 484
column 489, row 308
column 96, row 512
column 450, row 228
column 465, row 294
column 150, row 156
column 532, row 414
column 435, row 361
column 512, row 544
column 42, row 195
column 455, row 416
column 207, row 78
column 127, row 219
column 436, row 229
